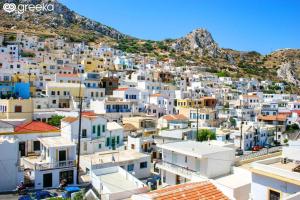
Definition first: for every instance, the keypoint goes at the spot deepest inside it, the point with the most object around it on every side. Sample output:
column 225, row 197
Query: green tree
column 232, row 122
column 205, row 134
column 55, row 120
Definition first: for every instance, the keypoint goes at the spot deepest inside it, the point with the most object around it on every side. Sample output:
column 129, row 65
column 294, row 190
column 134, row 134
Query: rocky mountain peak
column 199, row 41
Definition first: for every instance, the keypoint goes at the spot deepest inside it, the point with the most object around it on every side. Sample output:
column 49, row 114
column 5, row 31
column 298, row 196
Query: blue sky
column 261, row 25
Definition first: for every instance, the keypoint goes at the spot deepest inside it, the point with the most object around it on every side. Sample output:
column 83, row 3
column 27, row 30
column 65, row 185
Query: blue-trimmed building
column 15, row 90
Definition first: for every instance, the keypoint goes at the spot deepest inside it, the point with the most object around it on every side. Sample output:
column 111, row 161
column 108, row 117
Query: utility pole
column 197, row 119
column 276, row 128
column 241, row 124
column 79, row 131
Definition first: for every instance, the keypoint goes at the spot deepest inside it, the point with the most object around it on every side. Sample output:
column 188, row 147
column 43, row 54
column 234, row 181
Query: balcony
column 117, row 110
column 181, row 171
column 36, row 163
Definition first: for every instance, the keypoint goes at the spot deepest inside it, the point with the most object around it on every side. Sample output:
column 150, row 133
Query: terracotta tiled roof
column 68, row 75
column 35, row 126
column 250, row 96
column 129, row 127
column 279, row 117
column 88, row 113
column 156, row 95
column 69, row 119
column 191, row 191
column 121, row 89
column 175, row 117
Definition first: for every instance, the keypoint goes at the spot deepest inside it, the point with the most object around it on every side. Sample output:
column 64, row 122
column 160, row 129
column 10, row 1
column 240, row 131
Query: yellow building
column 64, row 94
column 98, row 64
column 16, row 109
column 188, row 103
column 203, row 102
column 146, row 124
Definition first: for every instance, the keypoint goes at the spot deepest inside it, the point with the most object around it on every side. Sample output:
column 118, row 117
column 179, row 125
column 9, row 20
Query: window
column 68, row 175
column 143, row 165
column 94, row 129
column 130, row 167
column 103, row 128
column 36, row 146
column 83, row 133
column 18, row 108
column 99, row 146
column 274, row 195
column 118, row 139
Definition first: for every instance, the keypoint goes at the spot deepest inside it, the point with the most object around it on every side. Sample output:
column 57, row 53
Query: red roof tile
column 35, row 126
column 121, row 89
column 69, row 119
column 175, row 117
column 192, row 191
column 68, row 75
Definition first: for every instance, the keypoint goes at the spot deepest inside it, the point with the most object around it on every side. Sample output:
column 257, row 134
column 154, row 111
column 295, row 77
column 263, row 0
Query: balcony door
column 62, row 156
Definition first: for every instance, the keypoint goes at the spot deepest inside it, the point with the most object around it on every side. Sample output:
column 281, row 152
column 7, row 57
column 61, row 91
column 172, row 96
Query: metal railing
column 188, row 173
column 259, row 153
column 46, row 166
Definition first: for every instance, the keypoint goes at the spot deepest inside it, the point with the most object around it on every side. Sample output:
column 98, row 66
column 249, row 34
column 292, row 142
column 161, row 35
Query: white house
column 138, row 164
column 190, row 160
column 57, row 161
column 10, row 174
column 277, row 178
column 96, row 133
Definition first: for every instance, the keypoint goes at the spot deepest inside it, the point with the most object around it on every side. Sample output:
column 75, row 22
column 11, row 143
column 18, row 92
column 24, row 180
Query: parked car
column 43, row 194
column 239, row 152
column 68, row 191
column 256, row 148
column 152, row 181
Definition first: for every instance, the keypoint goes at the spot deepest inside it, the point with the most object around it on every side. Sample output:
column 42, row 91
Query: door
column 47, row 180
column 62, row 155
column 22, row 148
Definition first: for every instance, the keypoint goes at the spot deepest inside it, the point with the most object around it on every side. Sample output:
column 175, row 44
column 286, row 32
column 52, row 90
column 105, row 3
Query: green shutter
column 118, row 139
column 94, row 129
column 103, row 128
column 107, row 142
column 98, row 130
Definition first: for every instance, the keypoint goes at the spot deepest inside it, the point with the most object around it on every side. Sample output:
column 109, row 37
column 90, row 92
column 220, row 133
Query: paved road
column 8, row 196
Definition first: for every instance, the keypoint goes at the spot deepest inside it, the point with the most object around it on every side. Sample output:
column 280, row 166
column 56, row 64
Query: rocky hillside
column 61, row 21
column 196, row 48
column 198, row 41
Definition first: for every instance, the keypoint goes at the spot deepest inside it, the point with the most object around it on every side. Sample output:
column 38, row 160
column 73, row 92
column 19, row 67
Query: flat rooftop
column 56, row 142
column 240, row 177
column 119, row 156
column 116, row 182
column 275, row 168
column 193, row 148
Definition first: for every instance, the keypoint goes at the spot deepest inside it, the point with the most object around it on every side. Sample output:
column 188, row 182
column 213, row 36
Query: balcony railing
column 185, row 172
column 118, row 110
column 46, row 166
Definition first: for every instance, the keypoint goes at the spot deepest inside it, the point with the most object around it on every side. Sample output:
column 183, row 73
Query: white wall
column 261, row 184
column 8, row 165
